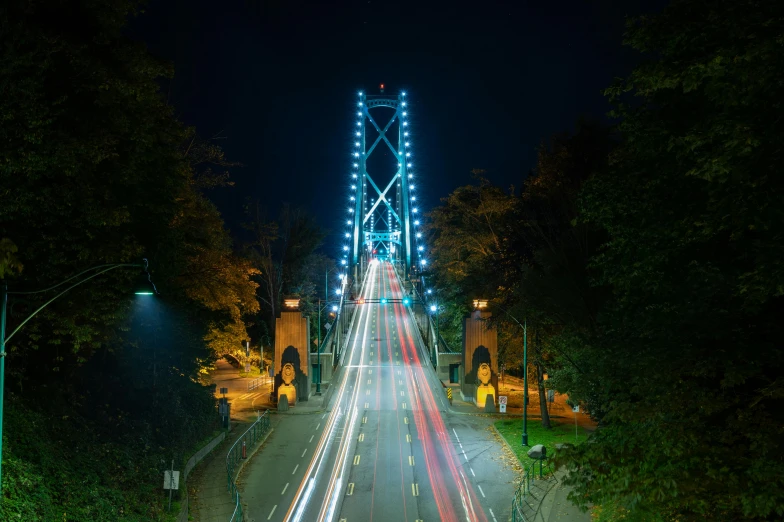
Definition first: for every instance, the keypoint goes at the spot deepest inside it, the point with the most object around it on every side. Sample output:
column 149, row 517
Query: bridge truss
column 384, row 217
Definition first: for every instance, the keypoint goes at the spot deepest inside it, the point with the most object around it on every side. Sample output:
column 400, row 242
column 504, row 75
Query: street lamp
column 143, row 286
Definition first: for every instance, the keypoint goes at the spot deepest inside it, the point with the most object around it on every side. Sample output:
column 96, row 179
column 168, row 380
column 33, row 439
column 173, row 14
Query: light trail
column 468, row 497
column 305, row 489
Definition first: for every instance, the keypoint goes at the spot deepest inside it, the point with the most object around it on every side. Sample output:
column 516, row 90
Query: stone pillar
column 480, row 358
column 292, row 357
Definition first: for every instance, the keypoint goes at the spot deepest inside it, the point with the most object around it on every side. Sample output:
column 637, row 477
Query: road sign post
column 576, row 410
column 171, row 481
column 502, row 399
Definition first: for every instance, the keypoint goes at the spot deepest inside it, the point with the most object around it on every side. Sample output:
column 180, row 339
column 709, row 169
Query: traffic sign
column 502, row 400
column 576, row 408
column 171, row 480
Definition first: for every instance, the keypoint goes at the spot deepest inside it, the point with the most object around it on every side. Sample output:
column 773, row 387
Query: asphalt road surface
column 386, row 449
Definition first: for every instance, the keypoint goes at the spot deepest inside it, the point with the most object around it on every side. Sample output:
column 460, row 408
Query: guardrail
column 238, row 452
column 258, row 382
column 424, row 320
column 531, row 489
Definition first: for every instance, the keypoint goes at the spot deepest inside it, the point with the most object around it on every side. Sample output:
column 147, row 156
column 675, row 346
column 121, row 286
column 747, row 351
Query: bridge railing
column 433, row 339
column 335, row 339
column 238, row 451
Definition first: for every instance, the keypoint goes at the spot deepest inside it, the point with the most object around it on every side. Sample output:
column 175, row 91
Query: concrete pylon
column 292, row 357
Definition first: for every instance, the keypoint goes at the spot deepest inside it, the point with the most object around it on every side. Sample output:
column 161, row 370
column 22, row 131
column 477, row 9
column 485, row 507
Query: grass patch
column 611, row 512
column 512, row 432
column 254, row 372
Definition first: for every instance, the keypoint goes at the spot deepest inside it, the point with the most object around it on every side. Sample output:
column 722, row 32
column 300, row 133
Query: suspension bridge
column 384, row 447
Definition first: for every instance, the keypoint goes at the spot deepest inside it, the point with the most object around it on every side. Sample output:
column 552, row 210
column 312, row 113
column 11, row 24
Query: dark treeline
column 648, row 260
column 103, row 387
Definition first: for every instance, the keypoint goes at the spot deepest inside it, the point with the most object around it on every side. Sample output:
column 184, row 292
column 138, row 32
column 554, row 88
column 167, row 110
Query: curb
column 247, row 460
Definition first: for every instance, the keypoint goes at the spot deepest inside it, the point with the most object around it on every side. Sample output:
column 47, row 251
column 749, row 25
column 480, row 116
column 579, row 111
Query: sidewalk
column 210, row 500
column 556, row 507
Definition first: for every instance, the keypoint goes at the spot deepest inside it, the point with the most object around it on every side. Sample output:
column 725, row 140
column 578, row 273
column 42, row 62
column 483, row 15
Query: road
column 386, row 449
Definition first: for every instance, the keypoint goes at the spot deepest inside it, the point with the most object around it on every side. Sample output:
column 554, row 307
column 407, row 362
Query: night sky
column 487, row 83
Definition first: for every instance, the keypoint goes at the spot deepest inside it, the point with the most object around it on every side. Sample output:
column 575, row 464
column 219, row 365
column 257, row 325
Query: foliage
column 687, row 354
column 95, row 169
column 284, row 253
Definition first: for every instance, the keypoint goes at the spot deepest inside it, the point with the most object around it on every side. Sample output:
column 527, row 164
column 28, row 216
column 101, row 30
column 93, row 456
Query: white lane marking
column 311, row 439
column 303, row 452
column 322, row 417
column 295, row 469
column 285, row 488
column 319, row 425
column 480, row 490
column 466, row 456
column 271, row 512
column 472, row 471
column 458, row 438
column 493, row 515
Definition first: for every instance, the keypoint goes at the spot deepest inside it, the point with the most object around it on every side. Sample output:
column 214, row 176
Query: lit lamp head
column 291, row 303
column 480, row 304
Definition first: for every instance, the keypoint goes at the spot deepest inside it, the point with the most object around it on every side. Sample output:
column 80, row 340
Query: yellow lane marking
column 364, row 420
column 410, row 460
column 367, row 405
column 356, row 459
column 368, row 392
column 408, row 437
column 404, row 405
column 400, row 381
column 370, row 371
column 371, row 354
column 405, row 420
column 350, row 490
column 402, row 393
column 415, row 489
column 361, row 437
column 368, row 381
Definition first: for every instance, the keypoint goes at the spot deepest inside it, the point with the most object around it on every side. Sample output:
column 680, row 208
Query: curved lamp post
column 143, row 286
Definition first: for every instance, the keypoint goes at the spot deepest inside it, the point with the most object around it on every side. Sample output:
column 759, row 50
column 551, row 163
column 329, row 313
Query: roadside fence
column 536, row 481
column 239, row 451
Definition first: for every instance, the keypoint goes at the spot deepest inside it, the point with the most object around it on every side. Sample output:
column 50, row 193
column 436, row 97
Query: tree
column 284, row 253
column 95, row 169
column 687, row 349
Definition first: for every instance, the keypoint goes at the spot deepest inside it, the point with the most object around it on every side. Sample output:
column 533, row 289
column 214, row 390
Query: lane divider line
column 480, row 490
column 350, row 489
column 285, row 488
column 295, row 470
column 271, row 512
column 356, row 459
column 303, row 452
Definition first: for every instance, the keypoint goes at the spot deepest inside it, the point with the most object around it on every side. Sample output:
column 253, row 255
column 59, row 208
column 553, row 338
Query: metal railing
column 258, row 382
column 335, row 339
column 424, row 320
column 534, row 484
column 238, row 452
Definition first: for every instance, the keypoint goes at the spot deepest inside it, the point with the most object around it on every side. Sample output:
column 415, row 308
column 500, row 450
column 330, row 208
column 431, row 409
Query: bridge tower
column 383, row 217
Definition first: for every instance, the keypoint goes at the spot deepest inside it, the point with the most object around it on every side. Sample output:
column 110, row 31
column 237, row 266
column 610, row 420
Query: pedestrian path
column 210, row 500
